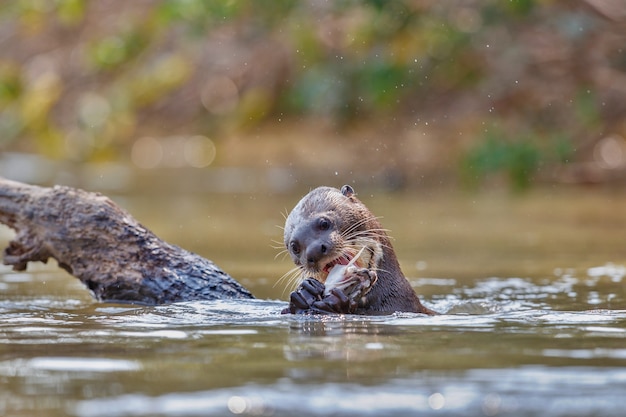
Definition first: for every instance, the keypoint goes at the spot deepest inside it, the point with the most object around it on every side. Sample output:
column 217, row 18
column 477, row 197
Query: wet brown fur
column 352, row 226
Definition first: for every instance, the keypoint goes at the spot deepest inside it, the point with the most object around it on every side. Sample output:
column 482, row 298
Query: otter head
column 329, row 227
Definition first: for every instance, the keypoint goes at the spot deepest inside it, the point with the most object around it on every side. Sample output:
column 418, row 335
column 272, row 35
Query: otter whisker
column 379, row 231
column 284, row 253
column 374, row 232
column 369, row 241
column 358, row 224
column 361, row 222
column 279, row 244
column 379, row 270
column 366, row 233
column 290, row 279
column 353, row 228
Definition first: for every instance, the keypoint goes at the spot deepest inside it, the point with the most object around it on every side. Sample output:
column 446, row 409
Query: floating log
column 101, row 244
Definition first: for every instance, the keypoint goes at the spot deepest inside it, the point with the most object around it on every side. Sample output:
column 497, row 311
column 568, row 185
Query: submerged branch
column 107, row 249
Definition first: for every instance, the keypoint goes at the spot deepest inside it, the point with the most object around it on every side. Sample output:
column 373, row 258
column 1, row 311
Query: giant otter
column 330, row 227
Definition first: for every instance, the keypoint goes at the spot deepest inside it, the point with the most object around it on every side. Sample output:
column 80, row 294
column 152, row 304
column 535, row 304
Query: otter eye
column 323, row 224
column 294, row 247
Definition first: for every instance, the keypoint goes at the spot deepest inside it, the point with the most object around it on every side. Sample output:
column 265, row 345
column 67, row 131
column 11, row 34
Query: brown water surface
column 532, row 290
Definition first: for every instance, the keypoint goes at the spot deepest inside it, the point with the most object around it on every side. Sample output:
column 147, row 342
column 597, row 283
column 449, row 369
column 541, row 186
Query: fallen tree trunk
column 95, row 240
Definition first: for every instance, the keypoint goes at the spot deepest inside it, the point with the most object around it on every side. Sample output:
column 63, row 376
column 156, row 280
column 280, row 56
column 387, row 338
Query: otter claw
column 336, row 302
column 313, row 287
column 301, row 300
column 310, row 299
column 354, row 282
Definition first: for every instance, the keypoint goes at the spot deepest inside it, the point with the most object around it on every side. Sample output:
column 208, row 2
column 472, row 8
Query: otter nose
column 315, row 252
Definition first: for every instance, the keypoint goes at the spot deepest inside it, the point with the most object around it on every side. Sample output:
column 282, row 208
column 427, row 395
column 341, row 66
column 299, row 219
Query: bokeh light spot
column 93, row 110
column 199, row 151
column 436, row 401
column 146, row 153
column 237, row 405
column 610, row 152
column 220, row 95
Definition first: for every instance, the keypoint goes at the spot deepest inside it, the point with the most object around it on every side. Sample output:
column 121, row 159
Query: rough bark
column 95, row 240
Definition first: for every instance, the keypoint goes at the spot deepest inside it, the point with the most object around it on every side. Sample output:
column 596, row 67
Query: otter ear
column 347, row 191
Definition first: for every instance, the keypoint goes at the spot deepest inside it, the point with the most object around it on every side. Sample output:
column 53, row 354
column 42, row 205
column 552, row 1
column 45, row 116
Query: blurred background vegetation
column 399, row 93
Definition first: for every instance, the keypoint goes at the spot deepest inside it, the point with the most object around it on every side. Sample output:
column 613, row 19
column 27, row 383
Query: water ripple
column 532, row 391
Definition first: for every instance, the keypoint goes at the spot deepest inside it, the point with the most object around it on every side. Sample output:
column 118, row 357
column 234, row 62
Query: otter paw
column 355, row 284
column 335, row 302
column 301, row 300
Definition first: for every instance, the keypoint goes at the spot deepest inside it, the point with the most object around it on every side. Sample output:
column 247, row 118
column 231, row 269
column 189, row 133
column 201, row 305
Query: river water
column 532, row 291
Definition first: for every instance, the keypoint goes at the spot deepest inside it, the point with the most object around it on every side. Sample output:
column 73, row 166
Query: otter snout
column 315, row 252
column 311, row 243
column 310, row 251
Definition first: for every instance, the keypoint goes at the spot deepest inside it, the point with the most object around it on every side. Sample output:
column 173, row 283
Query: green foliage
column 381, row 82
column 386, row 54
column 87, row 78
column 517, row 157
column 10, row 84
column 521, row 7
column 587, row 112
column 196, row 15
column 510, row 10
column 112, row 51
column 70, row 12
